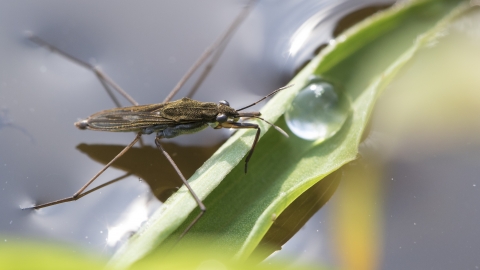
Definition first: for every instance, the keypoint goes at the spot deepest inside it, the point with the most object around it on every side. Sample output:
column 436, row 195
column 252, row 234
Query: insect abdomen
column 121, row 123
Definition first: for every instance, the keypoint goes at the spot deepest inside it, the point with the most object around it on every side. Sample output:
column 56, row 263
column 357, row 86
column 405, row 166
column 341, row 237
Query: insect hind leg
column 80, row 193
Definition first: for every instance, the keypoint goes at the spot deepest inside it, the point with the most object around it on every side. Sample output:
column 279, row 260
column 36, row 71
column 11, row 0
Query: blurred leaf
column 242, row 207
column 198, row 255
column 38, row 256
column 28, row 255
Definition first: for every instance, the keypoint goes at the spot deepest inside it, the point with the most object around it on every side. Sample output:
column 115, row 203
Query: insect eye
column 222, row 118
column 224, row 102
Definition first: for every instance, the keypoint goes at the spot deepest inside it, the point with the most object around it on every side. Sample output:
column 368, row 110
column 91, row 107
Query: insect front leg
column 236, row 125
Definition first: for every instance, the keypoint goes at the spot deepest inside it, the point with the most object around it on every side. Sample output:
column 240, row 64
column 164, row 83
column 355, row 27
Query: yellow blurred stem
column 357, row 217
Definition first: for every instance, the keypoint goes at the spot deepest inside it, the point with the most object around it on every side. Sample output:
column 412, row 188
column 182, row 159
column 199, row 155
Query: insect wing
column 126, row 119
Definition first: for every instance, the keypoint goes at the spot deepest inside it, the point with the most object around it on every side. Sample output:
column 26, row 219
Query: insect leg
column 102, row 76
column 104, row 79
column 80, row 193
column 185, row 182
column 236, row 125
column 218, row 45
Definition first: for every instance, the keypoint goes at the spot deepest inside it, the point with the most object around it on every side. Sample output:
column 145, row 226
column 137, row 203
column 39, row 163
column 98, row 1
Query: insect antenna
column 274, row 126
column 271, row 94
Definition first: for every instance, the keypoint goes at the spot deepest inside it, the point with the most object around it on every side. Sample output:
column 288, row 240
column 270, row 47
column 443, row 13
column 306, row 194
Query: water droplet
column 318, row 111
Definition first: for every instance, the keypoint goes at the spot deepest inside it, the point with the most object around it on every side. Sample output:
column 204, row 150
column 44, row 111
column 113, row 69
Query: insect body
column 171, row 119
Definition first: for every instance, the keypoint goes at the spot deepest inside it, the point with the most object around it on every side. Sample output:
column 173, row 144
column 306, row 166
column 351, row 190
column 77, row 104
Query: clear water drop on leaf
column 318, row 111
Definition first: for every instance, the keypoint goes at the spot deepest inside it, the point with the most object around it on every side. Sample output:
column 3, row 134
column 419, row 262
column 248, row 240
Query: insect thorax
column 187, row 109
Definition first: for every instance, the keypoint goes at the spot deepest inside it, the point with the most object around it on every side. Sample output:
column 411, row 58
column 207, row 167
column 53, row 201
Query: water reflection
column 149, row 165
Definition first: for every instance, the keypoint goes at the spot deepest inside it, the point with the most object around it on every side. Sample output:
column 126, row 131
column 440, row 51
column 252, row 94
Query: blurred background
column 409, row 201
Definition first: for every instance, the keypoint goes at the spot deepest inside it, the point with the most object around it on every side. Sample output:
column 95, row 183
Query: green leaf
column 242, row 207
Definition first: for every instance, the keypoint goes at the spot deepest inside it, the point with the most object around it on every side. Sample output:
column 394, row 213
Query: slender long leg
column 104, row 185
column 236, row 125
column 104, row 79
column 78, row 194
column 102, row 76
column 185, row 182
column 221, row 45
column 217, row 44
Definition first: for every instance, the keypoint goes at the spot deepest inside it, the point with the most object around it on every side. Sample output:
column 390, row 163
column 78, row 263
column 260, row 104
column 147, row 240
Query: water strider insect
column 168, row 119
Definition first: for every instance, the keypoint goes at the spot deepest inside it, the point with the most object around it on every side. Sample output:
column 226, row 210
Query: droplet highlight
column 318, row 111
